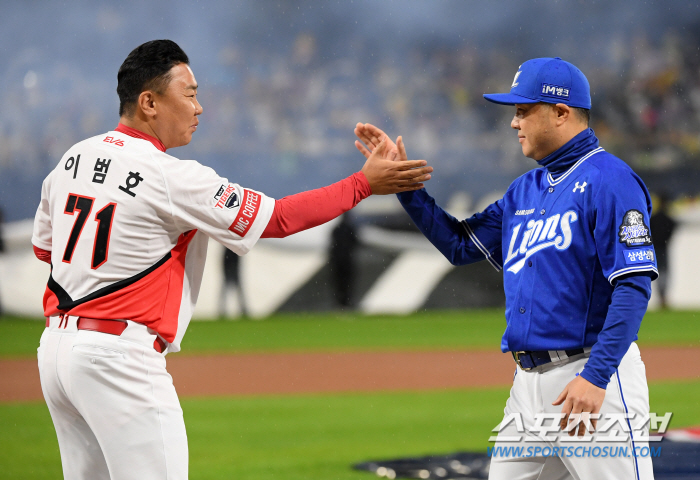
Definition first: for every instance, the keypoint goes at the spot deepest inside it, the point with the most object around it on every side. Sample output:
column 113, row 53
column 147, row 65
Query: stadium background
column 282, row 85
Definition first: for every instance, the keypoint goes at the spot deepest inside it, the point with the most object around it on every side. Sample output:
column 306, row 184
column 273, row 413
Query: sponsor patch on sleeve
column 246, row 214
column 219, row 192
column 226, row 197
column 641, row 255
column 633, row 231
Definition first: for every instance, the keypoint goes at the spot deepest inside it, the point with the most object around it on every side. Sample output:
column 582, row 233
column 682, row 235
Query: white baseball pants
column 113, row 404
column 534, row 391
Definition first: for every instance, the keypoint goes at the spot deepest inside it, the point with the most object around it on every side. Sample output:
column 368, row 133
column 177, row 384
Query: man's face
column 177, row 108
column 535, row 123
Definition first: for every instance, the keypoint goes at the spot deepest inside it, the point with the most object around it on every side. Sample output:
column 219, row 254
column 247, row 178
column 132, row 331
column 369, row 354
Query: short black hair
column 584, row 114
column 147, row 67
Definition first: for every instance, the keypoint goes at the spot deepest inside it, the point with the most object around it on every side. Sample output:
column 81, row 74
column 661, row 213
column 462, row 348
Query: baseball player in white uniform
column 125, row 228
column 573, row 242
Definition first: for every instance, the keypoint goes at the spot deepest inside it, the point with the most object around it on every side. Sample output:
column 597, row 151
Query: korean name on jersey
column 128, row 225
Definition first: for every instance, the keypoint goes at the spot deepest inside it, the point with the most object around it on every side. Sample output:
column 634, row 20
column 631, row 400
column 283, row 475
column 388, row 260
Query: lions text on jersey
column 563, row 234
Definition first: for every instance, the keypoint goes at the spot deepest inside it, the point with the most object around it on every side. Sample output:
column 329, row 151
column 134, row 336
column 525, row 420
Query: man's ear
column 563, row 113
column 147, row 103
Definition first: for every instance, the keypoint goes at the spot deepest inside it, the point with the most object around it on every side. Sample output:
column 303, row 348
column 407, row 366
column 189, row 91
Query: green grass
column 320, row 436
column 430, row 330
column 311, row 436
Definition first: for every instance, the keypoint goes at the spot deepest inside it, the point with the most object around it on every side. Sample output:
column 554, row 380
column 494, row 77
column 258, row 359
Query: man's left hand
column 581, row 399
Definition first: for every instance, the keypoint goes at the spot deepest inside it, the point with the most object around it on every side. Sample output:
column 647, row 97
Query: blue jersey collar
column 562, row 159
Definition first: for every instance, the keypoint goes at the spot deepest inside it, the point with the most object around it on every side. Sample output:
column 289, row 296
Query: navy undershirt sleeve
column 630, row 298
column 443, row 230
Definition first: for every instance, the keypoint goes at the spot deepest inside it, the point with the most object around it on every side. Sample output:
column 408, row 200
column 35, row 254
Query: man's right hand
column 386, row 176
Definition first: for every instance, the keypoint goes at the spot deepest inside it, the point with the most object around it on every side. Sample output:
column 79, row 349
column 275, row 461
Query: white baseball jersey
column 127, row 227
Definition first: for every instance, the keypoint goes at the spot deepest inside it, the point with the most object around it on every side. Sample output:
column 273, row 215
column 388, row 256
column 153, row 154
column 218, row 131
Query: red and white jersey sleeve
column 128, row 225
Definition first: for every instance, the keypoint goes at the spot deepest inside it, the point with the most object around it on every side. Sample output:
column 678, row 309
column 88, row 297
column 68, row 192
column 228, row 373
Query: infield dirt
column 290, row 373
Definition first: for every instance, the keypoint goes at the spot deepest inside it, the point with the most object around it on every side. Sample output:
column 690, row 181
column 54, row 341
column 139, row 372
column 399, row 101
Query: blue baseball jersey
column 573, row 241
column 562, row 242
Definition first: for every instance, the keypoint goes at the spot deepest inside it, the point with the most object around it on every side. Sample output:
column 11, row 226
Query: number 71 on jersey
column 103, row 218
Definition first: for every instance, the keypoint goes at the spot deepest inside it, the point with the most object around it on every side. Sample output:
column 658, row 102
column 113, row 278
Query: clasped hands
column 387, row 168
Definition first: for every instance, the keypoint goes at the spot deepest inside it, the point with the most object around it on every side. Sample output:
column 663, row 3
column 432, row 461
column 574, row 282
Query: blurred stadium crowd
column 283, row 84
column 279, row 115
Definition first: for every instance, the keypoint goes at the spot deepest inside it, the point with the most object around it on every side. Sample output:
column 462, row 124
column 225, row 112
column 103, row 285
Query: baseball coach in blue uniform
column 572, row 239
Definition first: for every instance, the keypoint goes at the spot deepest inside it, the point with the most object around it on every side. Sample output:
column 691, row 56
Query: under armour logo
column 582, row 187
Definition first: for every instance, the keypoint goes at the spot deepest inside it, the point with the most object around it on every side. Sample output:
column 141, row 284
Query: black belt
column 529, row 360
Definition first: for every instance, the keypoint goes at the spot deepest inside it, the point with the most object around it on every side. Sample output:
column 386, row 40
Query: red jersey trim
column 43, row 255
column 153, row 300
column 132, row 132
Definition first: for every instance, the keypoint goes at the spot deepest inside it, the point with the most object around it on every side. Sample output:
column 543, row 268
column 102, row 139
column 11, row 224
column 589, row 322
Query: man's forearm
column 443, row 230
column 627, row 308
column 309, row 209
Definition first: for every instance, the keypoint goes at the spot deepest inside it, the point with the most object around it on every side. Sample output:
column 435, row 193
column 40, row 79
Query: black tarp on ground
column 679, row 460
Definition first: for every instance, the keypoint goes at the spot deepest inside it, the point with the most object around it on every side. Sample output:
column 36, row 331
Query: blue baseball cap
column 548, row 80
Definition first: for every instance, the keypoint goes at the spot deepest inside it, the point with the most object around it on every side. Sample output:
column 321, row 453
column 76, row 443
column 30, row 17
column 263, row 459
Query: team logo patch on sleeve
column 641, row 255
column 633, row 231
column 247, row 213
column 227, row 197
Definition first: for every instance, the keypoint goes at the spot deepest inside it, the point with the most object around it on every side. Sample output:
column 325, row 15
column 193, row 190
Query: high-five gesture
column 371, row 137
column 387, row 176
